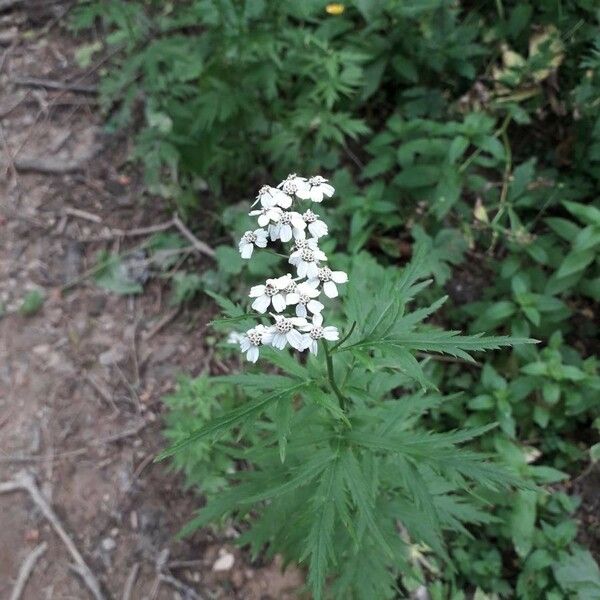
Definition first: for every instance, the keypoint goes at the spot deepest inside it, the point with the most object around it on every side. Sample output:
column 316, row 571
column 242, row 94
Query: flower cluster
column 278, row 221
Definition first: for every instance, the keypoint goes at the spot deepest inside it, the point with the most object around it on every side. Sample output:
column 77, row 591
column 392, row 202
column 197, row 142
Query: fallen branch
column 26, row 570
column 50, row 165
column 128, row 589
column 198, row 245
column 50, row 84
column 24, row 481
column 82, row 214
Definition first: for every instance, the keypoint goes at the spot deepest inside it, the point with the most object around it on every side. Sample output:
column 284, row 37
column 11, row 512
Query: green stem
column 331, row 377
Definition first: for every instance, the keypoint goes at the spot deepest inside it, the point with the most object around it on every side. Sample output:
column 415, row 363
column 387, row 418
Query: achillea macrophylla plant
column 341, row 475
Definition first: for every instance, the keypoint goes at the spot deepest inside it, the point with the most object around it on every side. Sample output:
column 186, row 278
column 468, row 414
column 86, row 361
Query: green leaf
column 232, row 418
column 32, row 303
column 319, row 543
column 283, row 417
column 588, row 213
column 417, row 176
column 522, row 521
column 579, row 573
column 575, row 262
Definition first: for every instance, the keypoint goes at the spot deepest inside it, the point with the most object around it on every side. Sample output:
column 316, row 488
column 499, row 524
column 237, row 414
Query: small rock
column 224, row 562
column 108, row 544
column 113, row 356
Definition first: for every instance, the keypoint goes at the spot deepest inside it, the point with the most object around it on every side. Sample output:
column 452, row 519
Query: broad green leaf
column 522, row 521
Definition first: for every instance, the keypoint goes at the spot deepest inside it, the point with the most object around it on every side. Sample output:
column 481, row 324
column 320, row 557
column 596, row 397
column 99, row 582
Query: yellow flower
column 335, row 8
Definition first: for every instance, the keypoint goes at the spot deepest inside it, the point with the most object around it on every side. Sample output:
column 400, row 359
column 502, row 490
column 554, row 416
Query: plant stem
column 331, row 377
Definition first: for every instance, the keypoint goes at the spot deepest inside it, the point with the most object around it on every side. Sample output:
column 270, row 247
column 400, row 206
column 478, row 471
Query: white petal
column 296, row 339
column 252, row 354
column 274, row 231
column 298, row 321
column 303, row 189
column 285, row 235
column 263, row 220
column 317, row 320
column 245, row 344
column 261, row 304
column 283, row 200
column 299, row 234
column 246, row 250
column 311, row 270
column 297, row 220
column 314, row 347
column 261, row 243
column 314, row 282
column 319, row 254
column 315, row 306
column 318, row 229
column 278, row 302
column 260, row 234
column 331, row 333
column 330, row 289
column 316, row 194
column 327, row 189
column 339, row 276
column 303, row 268
column 267, row 337
column 256, row 290
column 279, row 340
column 292, row 298
column 301, row 310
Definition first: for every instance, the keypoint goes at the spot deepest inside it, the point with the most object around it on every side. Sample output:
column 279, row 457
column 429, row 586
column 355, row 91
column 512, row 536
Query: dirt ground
column 81, row 380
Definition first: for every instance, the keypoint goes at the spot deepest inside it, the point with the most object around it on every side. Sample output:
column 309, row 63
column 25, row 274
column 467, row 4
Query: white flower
column 328, row 278
column 304, row 298
column 258, row 238
column 290, row 224
column 316, row 331
column 251, row 340
column 235, row 337
column 294, row 185
column 301, row 244
column 272, row 292
column 306, row 261
column 284, row 331
column 266, row 215
column 269, row 197
column 319, row 187
column 316, row 227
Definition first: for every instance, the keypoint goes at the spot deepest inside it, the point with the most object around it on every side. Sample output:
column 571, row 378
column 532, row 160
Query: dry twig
column 130, row 582
column 26, row 570
column 55, row 85
column 24, row 481
column 198, row 244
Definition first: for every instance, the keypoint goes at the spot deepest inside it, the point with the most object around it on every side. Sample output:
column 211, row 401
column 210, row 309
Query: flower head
column 316, row 331
column 302, row 230
column 289, row 224
column 285, row 331
column 295, row 186
column 269, row 197
column 306, row 261
column 328, row 278
column 272, row 292
column 319, row 187
column 304, row 298
column 251, row 340
column 266, row 215
column 258, row 238
column 316, row 227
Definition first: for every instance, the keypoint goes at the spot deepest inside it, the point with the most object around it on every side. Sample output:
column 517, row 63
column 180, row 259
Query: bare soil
column 81, row 380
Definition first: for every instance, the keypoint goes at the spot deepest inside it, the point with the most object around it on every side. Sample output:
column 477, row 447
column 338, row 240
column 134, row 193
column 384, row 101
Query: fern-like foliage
column 350, row 491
